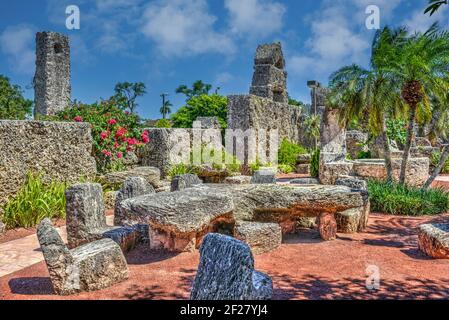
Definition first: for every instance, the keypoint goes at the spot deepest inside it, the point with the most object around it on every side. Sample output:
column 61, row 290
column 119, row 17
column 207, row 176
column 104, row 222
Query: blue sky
column 164, row 43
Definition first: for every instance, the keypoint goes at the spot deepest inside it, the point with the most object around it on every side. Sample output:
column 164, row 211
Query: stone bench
column 434, row 240
column 178, row 221
column 90, row 267
column 261, row 237
column 287, row 204
column 86, row 220
column 226, row 272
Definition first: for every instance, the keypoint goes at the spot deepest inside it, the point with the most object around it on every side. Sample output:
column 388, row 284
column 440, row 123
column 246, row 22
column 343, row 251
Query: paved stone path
column 21, row 253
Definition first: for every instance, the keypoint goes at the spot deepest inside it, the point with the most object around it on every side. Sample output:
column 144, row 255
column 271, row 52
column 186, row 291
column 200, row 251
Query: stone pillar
column 52, row 89
column 270, row 78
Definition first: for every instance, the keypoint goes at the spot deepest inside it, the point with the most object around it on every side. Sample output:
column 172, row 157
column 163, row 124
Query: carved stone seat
column 86, row 220
column 90, row 267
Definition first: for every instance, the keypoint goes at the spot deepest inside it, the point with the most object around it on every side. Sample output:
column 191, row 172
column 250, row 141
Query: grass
column 396, row 199
column 35, row 201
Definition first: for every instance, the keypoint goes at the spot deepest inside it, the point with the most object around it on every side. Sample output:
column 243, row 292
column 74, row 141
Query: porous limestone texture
column 52, row 88
column 226, row 272
column 59, row 150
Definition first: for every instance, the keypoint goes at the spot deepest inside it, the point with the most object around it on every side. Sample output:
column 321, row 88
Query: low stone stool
column 226, row 272
column 184, row 181
column 352, row 182
column 238, row 180
column 434, row 240
column 261, row 237
column 264, row 176
column 90, row 267
column 86, row 220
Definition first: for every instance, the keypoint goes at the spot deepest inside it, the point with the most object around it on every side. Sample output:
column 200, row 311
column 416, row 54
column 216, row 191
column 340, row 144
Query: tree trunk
column 439, row 167
column 387, row 150
column 408, row 144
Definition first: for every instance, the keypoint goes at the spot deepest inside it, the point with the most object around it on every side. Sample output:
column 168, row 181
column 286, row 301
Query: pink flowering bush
column 115, row 132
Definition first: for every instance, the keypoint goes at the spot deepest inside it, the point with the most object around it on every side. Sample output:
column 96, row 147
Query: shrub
column 163, row 123
column 397, row 130
column 178, row 169
column 315, row 164
column 115, row 132
column 435, row 160
column 288, row 152
column 397, row 199
column 35, row 201
column 286, row 168
column 201, row 106
column 12, row 103
column 364, row 155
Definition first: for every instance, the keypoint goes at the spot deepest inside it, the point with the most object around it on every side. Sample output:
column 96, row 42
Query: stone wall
column 59, row 150
column 253, row 112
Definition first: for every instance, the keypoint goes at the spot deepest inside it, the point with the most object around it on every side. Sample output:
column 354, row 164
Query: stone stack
column 303, row 164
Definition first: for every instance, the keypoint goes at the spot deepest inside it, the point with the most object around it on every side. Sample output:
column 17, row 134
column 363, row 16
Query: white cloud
column 421, row 22
column 18, row 43
column 183, row 28
column 223, row 78
column 338, row 36
column 107, row 5
column 255, row 17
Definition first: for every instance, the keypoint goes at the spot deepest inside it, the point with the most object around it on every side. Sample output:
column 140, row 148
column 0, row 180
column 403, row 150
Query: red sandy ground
column 304, row 267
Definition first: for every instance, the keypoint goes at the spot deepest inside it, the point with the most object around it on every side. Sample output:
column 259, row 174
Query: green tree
column 12, row 103
column 372, row 92
column 434, row 6
column 198, row 88
column 421, row 69
column 294, row 102
column 126, row 94
column 201, row 106
column 166, row 109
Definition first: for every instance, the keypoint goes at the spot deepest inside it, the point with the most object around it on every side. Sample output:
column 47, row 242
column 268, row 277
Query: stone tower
column 52, row 89
column 270, row 78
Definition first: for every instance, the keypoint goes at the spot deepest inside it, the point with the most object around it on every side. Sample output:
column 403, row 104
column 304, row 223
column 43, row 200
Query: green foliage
column 434, row 6
column 397, row 130
column 126, row 94
column 198, row 88
column 286, row 168
column 35, row 201
column 115, row 132
column 166, row 109
column 435, row 160
column 294, row 102
column 201, row 106
column 312, row 124
column 315, row 164
column 288, row 152
column 12, row 103
column 398, row 199
column 179, row 169
column 364, row 155
column 163, row 123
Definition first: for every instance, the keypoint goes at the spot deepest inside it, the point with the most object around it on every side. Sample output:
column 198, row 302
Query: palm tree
column 434, row 6
column 373, row 92
column 421, row 65
column 166, row 109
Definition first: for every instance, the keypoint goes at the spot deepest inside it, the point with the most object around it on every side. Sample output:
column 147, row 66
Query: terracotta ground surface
column 304, row 267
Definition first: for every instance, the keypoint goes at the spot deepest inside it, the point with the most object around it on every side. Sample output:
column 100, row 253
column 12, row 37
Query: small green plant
column 397, row 130
column 364, row 155
column 398, row 199
column 286, row 168
column 179, row 169
column 35, row 201
column 435, row 160
column 288, row 152
column 163, row 123
column 315, row 164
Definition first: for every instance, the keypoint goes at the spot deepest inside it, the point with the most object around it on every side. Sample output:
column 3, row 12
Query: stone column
column 52, row 88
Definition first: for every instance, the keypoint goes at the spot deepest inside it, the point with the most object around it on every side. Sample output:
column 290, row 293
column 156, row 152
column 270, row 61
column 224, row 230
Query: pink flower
column 78, row 119
column 106, row 153
column 112, row 121
column 120, row 132
column 128, row 149
column 145, row 139
column 119, row 155
column 104, row 135
column 116, row 145
column 127, row 112
column 132, row 141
